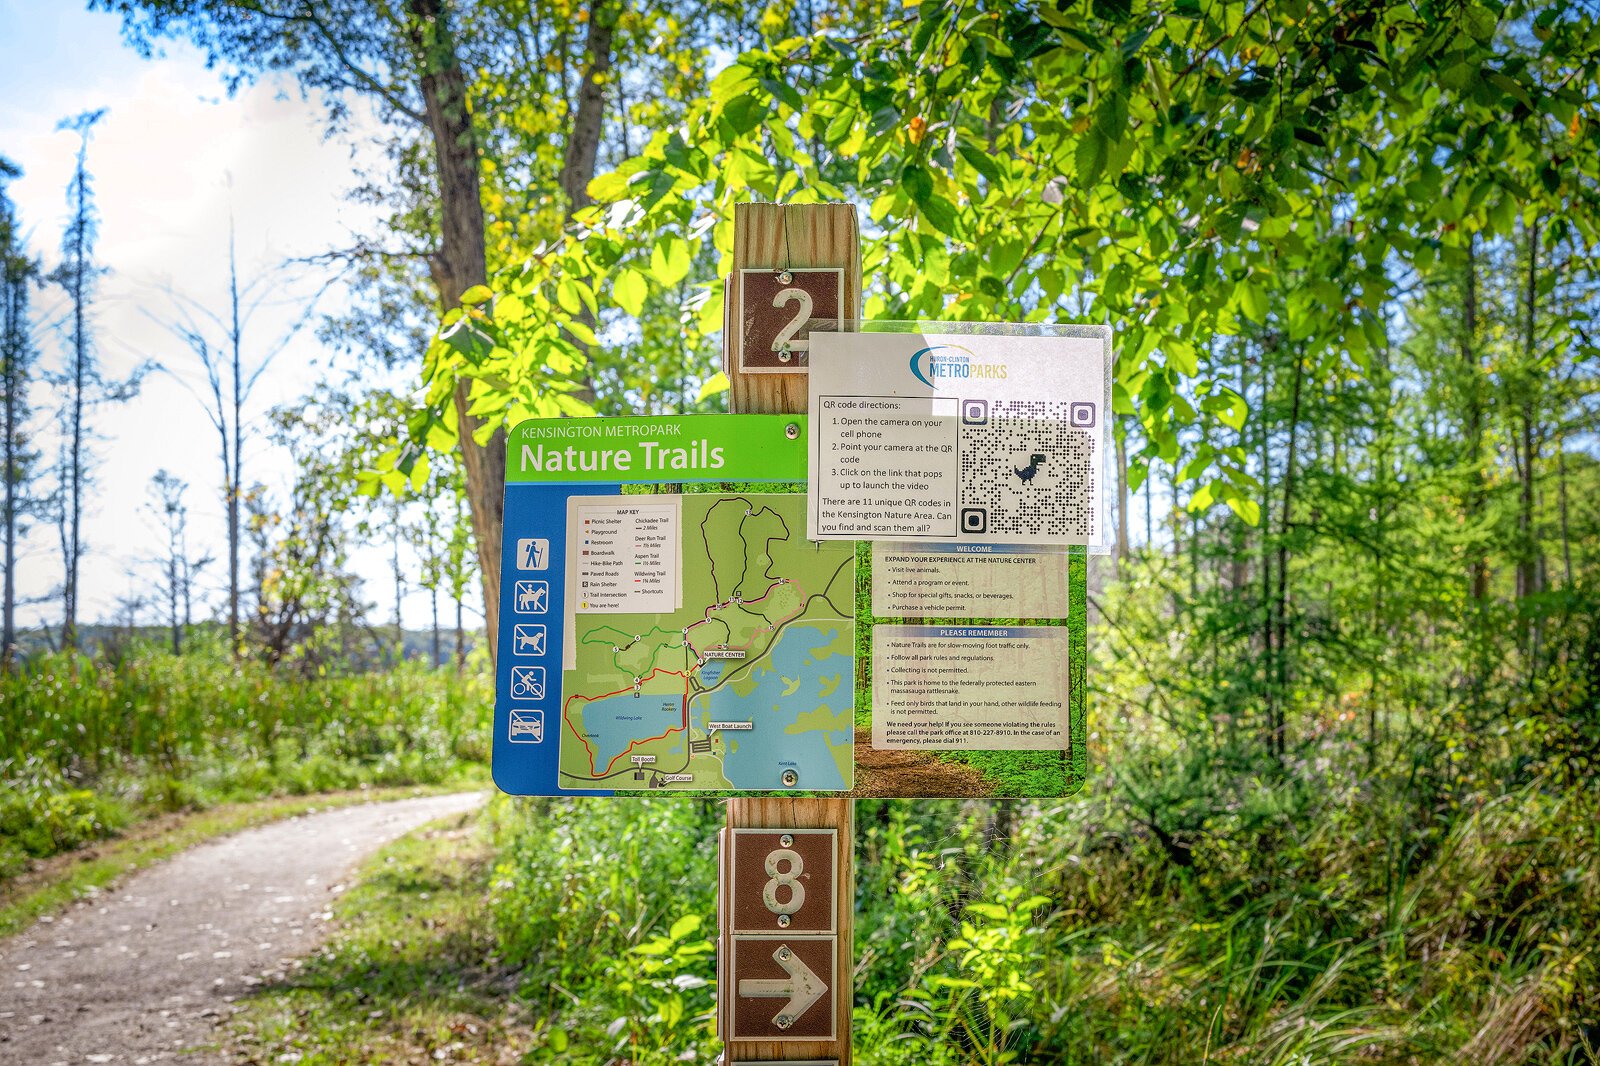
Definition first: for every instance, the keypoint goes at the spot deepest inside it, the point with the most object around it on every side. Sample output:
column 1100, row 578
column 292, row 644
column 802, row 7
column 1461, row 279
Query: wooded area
column 1345, row 689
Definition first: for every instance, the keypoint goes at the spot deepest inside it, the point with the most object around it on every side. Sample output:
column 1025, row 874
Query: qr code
column 1028, row 469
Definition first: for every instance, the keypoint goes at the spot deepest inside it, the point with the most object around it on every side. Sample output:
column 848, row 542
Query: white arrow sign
column 802, row 988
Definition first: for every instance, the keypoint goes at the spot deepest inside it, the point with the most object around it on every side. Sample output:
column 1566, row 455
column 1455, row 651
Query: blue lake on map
column 763, row 752
column 617, row 721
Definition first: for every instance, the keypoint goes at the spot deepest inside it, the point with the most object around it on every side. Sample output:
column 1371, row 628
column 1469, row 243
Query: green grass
column 1307, row 931
column 410, row 974
column 89, row 747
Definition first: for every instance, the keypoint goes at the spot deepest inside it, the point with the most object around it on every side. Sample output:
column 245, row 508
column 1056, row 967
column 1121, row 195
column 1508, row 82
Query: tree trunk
column 1282, row 610
column 14, row 295
column 1149, row 509
column 459, row 264
column 80, row 383
column 1122, row 499
column 1561, row 504
column 1478, row 566
column 1267, row 672
column 583, row 140
column 235, row 477
column 399, row 586
column 433, row 602
column 1240, row 542
column 172, row 603
column 1527, row 535
column 461, row 640
column 583, row 145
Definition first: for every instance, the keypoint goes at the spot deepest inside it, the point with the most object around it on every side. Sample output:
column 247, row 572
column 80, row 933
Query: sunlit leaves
column 669, row 260
column 1184, row 180
column 629, row 289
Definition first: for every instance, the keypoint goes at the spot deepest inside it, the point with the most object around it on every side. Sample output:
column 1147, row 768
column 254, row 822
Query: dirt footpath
column 140, row 974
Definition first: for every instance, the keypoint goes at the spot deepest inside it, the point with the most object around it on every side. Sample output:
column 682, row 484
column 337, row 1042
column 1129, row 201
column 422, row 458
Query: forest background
column 1346, row 690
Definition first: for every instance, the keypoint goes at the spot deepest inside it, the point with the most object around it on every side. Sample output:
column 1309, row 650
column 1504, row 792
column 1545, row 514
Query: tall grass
column 89, row 744
column 1317, row 917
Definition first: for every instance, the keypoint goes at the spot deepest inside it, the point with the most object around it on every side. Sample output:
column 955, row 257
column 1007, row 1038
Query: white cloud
column 171, row 160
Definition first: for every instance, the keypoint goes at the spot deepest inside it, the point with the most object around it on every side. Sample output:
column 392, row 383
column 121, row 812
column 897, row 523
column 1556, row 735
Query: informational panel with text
column 666, row 625
column 652, row 641
column 958, row 438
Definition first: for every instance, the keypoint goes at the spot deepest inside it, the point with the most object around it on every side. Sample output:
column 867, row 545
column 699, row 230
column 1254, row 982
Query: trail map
column 709, row 646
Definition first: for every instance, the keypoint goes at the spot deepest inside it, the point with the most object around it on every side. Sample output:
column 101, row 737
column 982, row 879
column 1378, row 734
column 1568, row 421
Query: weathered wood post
column 786, row 955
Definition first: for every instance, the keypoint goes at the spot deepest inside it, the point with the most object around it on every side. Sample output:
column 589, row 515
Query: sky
column 173, row 159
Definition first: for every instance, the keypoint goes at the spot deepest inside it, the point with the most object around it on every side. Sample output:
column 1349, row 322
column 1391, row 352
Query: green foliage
column 1322, row 914
column 1163, row 169
column 90, row 745
column 39, row 818
column 984, row 1005
column 603, row 906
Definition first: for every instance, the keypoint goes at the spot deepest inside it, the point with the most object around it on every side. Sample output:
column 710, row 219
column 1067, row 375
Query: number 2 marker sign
column 778, row 309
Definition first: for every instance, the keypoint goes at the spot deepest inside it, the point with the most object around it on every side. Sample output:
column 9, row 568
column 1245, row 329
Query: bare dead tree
column 84, row 384
column 179, row 570
column 218, row 341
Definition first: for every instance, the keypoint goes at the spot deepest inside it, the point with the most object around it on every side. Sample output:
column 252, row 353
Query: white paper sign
column 961, row 439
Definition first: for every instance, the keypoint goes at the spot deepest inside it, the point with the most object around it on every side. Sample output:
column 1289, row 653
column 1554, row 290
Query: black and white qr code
column 1027, row 469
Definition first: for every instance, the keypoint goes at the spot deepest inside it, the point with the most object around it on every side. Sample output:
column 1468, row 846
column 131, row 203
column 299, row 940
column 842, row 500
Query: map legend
column 626, row 556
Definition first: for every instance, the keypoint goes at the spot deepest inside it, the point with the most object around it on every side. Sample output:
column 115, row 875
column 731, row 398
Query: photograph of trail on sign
column 748, row 683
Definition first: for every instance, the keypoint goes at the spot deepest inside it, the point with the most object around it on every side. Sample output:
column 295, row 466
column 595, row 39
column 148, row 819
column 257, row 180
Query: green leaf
column 630, row 289
column 709, row 316
column 1230, row 408
column 609, row 187
column 940, row 212
column 714, row 384
column 669, row 260
column 734, row 82
column 980, row 161
column 917, row 182
column 567, row 296
column 582, row 332
column 1090, row 157
column 745, row 114
column 839, row 126
column 1246, row 508
column 1253, row 299
column 477, row 294
column 510, row 309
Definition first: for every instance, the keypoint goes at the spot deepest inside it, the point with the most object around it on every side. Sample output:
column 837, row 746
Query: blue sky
column 172, row 159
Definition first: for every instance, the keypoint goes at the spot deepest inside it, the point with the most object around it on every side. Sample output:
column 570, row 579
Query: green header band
column 659, row 449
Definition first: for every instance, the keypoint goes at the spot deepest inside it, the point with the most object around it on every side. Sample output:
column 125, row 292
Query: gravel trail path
column 140, row 974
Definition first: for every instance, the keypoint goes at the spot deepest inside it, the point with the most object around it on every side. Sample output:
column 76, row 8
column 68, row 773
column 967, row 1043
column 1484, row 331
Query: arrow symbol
column 802, row 988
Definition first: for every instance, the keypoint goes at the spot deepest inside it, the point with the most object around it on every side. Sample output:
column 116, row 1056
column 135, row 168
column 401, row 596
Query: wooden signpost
column 787, row 895
column 586, row 708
